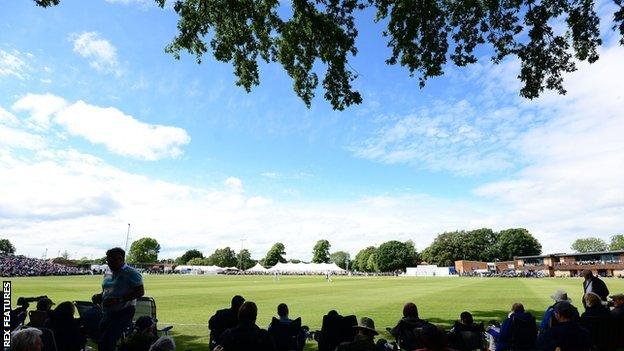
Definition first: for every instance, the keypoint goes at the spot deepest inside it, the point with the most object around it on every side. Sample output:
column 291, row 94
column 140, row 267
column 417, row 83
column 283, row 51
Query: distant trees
column 394, row 255
column 516, row 242
column 225, row 257
column 189, row 255
column 480, row 245
column 244, row 260
column 340, row 258
column 274, row 255
column 360, row 263
column 6, row 247
column 590, row 244
column 144, row 250
column 320, row 252
column 617, row 242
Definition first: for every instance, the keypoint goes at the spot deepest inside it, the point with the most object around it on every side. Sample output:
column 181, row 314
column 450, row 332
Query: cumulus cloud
column 118, row 132
column 102, row 55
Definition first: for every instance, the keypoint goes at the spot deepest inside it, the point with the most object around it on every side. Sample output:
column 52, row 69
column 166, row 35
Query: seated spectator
column 28, row 339
column 68, row 333
column 246, row 335
column 567, row 334
column 466, row 334
column 224, row 319
column 164, row 343
column 618, row 306
column 286, row 333
column 518, row 332
column 364, row 337
column 143, row 336
column 548, row 319
column 492, row 333
column 406, row 332
column 594, row 306
column 39, row 317
column 433, row 339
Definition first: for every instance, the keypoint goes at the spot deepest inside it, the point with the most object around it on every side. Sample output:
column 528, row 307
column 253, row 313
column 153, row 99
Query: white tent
column 427, row 271
column 258, row 268
column 198, row 269
column 306, row 268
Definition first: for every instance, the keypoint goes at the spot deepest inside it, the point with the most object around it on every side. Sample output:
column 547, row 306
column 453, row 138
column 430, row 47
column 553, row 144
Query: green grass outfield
column 188, row 301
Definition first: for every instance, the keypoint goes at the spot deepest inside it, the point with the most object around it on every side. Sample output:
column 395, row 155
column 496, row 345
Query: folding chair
column 146, row 306
column 90, row 317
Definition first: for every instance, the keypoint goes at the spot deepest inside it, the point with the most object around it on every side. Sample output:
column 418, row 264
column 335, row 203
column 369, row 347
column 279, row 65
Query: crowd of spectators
column 22, row 266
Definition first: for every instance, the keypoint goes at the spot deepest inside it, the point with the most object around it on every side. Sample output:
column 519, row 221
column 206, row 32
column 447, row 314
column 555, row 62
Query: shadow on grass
column 190, row 342
column 483, row 316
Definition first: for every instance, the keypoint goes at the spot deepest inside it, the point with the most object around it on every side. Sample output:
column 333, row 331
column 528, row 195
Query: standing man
column 119, row 293
column 593, row 284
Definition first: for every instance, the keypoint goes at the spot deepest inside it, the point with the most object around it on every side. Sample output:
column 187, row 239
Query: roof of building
column 591, row 253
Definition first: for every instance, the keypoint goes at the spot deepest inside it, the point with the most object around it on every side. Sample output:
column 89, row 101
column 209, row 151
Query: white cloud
column 120, row 133
column 41, row 107
column 101, row 53
column 12, row 65
column 7, row 117
column 234, row 183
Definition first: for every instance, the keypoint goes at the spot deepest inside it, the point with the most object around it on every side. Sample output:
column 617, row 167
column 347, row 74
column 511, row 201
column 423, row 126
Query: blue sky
column 99, row 127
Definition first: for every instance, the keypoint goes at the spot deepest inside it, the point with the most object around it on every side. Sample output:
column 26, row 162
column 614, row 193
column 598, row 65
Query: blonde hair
column 592, row 299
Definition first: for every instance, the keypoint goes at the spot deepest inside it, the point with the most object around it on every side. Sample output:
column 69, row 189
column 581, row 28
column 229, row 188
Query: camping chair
column 37, row 319
column 47, row 339
column 146, row 306
column 90, row 317
column 335, row 330
column 287, row 336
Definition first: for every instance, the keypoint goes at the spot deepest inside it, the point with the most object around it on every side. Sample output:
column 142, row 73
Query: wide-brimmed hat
column 366, row 324
column 560, row 295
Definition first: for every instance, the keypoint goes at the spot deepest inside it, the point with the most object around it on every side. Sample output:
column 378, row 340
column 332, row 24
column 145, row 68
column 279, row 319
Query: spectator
column 143, row 336
column 518, row 332
column 68, row 333
column 433, row 339
column 164, row 343
column 223, row 320
column 44, row 304
column 28, row 339
column 119, row 293
column 246, row 335
column 22, row 266
column 548, row 319
column 364, row 337
column 618, row 306
column 594, row 306
column 492, row 333
column 594, row 285
column 286, row 333
column 406, row 332
column 40, row 316
column 466, row 334
column 567, row 334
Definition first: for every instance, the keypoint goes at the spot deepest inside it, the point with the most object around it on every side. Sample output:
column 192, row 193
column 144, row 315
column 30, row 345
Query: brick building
column 607, row 263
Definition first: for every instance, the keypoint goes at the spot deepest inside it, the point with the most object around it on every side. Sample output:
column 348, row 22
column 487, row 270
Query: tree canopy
column 274, row 255
column 320, row 252
column 144, row 250
column 617, row 242
column 516, row 242
column 361, row 259
column 225, row 257
column 312, row 36
column 590, row 244
column 6, row 247
column 394, row 255
column 340, row 258
column 244, row 260
column 188, row 255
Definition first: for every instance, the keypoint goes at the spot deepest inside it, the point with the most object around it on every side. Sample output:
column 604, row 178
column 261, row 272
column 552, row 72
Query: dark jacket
column 68, row 334
column 221, row 321
column 595, row 311
column 598, row 287
column 138, row 341
column 245, row 337
column 567, row 336
column 361, row 343
column 406, row 333
column 618, row 312
column 518, row 332
column 466, row 337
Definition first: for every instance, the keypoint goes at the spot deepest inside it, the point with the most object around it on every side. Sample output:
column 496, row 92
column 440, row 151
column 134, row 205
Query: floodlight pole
column 127, row 238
